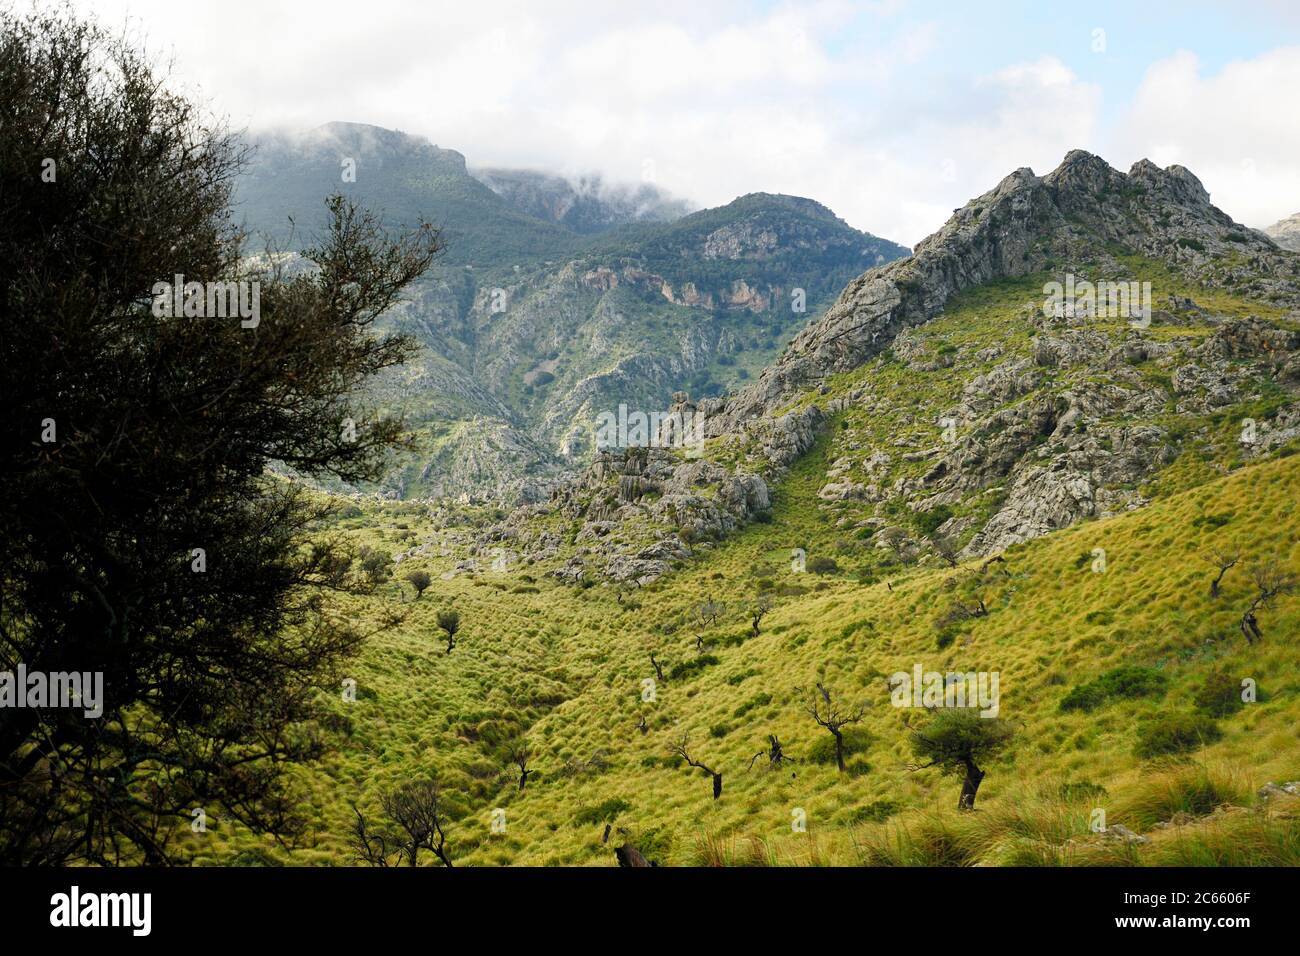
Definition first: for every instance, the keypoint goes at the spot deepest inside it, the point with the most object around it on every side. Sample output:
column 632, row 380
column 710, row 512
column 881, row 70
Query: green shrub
column 687, row 668
column 823, row 566
column 761, row 700
column 930, row 521
column 1220, row 695
column 1128, row 681
column 1175, row 734
column 856, row 740
column 875, row 812
column 601, row 812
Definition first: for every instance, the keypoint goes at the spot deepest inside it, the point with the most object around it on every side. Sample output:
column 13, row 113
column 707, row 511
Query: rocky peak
column 1286, row 232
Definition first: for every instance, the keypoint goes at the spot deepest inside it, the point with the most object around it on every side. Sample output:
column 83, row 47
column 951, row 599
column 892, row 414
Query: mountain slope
column 983, row 486
column 978, row 417
column 565, row 668
column 534, row 329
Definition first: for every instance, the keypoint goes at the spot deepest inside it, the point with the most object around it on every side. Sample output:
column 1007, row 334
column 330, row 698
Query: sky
column 892, row 113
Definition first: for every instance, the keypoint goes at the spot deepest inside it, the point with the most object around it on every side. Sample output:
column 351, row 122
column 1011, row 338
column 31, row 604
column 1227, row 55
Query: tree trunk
column 839, row 749
column 717, row 785
column 970, row 786
column 628, row 855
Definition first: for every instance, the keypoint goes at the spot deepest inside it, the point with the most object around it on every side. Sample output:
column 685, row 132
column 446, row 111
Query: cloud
column 1235, row 130
column 889, row 118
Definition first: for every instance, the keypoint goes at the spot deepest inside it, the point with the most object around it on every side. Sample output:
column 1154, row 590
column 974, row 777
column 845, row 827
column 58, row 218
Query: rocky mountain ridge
column 1021, row 428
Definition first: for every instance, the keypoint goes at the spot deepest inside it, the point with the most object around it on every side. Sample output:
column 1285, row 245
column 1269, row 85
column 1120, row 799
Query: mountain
column 1286, row 232
column 534, row 326
column 971, row 418
column 956, row 467
column 585, row 204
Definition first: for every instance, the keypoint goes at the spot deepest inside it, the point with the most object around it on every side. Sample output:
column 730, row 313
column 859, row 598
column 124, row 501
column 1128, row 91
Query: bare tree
column 659, row 670
column 449, row 621
column 418, row 811
column 519, row 754
column 1272, row 582
column 1223, row 561
column 628, row 855
column 679, row 749
column 776, row 757
column 757, row 611
column 374, row 848
column 827, row 713
column 708, row 612
column 947, row 549
column 419, row 822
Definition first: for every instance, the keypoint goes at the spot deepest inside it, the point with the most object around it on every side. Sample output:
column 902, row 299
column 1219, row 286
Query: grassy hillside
column 1122, row 682
column 564, row 666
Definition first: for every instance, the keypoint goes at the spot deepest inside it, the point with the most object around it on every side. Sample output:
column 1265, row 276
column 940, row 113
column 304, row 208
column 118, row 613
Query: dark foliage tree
column 822, row 709
column 419, row 580
column 141, row 534
column 449, row 622
column 957, row 741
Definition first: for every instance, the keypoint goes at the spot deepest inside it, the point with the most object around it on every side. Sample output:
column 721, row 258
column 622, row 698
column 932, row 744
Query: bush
column 930, row 521
column 687, row 668
column 1220, row 695
column 856, row 740
column 601, row 812
column 823, row 566
column 1175, row 734
column 875, row 812
column 1128, row 681
column 760, row 700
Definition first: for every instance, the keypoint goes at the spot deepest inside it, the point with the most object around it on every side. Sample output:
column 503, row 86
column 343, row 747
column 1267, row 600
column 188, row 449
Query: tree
column 819, row 706
column 775, row 755
column 1223, row 561
column 377, row 566
column 757, row 611
column 1271, row 582
column 449, row 621
column 947, row 548
column 659, row 669
column 419, row 580
column 417, row 821
column 142, row 537
column 519, row 754
column 680, row 750
column 707, row 613
column 957, row 741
